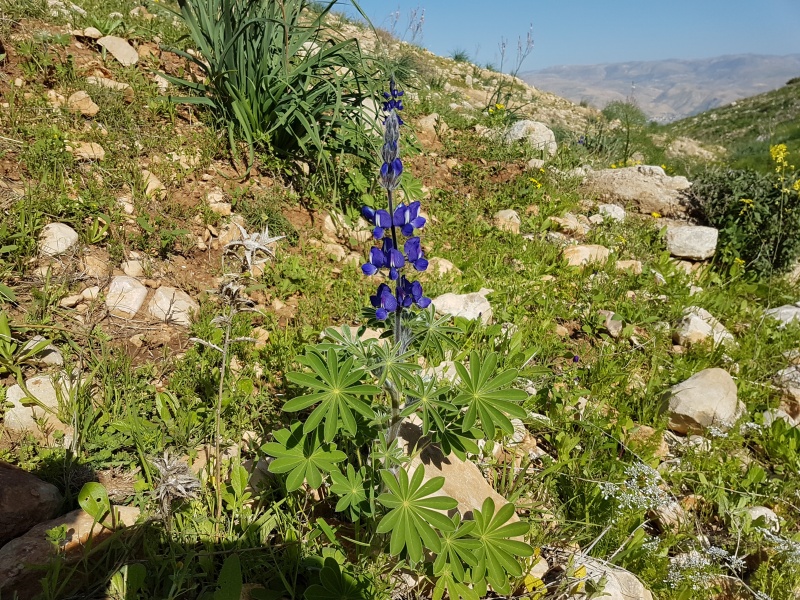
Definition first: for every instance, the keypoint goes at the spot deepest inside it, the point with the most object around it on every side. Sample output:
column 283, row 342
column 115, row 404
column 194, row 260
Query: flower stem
column 395, row 397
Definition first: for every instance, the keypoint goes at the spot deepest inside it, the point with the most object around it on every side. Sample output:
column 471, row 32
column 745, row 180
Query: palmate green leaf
column 305, row 457
column 497, row 552
column 350, row 489
column 432, row 333
column 413, row 518
column 458, row 550
column 481, row 392
column 393, row 365
column 336, row 584
column 427, row 398
column 337, row 391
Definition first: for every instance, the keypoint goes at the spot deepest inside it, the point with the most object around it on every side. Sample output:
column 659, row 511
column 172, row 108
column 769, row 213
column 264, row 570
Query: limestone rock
column 682, row 147
column 535, row 163
column 56, row 239
column 574, row 225
column 25, row 501
column 127, row 90
column 92, row 33
column 81, row 102
column 125, row 296
column 431, row 123
column 620, row 584
column 49, row 356
column 633, row 266
column 96, row 267
column 172, row 306
column 612, row 211
column 442, row 266
column 646, row 187
column 119, row 49
column 580, row 255
column 771, row 520
column 22, row 560
column 786, row 314
column 507, row 220
column 613, row 324
column 697, row 325
column 538, row 135
column 153, row 185
column 707, row 398
column 692, row 241
column 132, row 268
column 469, row 306
column 670, row 517
column 335, row 252
column 23, row 418
column 87, row 151
column 463, row 480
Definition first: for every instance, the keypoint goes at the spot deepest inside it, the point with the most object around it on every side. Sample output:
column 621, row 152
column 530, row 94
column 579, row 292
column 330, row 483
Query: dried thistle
column 175, row 482
column 253, row 244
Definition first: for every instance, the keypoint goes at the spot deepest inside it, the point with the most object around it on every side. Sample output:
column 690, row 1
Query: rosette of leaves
column 276, row 77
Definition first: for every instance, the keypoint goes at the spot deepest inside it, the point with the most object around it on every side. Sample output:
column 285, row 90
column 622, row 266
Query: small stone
column 132, row 268
column 81, row 102
column 23, row 418
column 172, row 306
column 786, row 314
column 125, row 296
column 596, row 220
column 119, row 49
column 91, row 293
column 127, row 90
column 562, row 331
column 442, row 266
column 470, row 306
column 572, row 224
column 670, row 517
column 507, row 220
column 431, row 123
column 261, row 336
column 92, row 33
column 770, row 519
column 578, row 256
column 56, row 239
column 535, row 164
column 613, row 325
column 95, row 267
column 71, row 301
column 55, row 99
column 538, row 135
column 84, row 151
column 692, row 241
column 612, row 211
column 335, row 252
column 634, row 266
column 153, row 186
column 223, row 209
column 698, row 325
column 707, row 398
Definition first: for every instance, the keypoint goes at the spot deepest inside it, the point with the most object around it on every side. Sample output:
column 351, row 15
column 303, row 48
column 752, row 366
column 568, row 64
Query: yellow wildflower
column 738, row 261
column 655, row 215
column 779, row 153
column 613, row 165
column 796, row 186
column 500, row 106
column 535, row 182
column 664, row 167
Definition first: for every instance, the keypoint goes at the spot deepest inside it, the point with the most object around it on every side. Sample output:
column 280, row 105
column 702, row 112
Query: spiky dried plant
column 175, row 482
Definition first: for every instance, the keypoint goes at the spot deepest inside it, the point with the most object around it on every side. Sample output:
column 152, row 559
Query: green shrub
column 757, row 217
column 278, row 79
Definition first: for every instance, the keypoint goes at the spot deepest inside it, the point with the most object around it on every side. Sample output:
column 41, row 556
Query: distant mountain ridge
column 672, row 89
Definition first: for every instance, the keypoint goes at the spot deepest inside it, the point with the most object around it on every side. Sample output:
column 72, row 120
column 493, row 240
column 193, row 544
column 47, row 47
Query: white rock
column 110, row 84
column 707, row 398
column 537, row 134
column 771, row 520
column 49, row 356
column 153, row 185
column 581, row 255
column 431, row 123
column 634, row 266
column 612, row 211
column 535, row 163
column 23, row 418
column 470, row 306
column 119, row 49
column 90, row 293
column 172, row 306
column 692, row 241
column 70, row 301
column 646, row 187
column 507, row 220
column 786, row 314
column 125, row 296
column 56, row 239
column 335, row 252
column 442, row 266
column 697, row 325
column 133, row 268
column 620, row 584
column 612, row 322
column 221, row 208
column 81, row 102
column 87, row 151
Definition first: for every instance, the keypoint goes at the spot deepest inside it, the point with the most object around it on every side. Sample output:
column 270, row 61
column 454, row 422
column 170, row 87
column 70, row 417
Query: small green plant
column 460, row 55
column 758, row 215
column 276, row 78
column 631, row 119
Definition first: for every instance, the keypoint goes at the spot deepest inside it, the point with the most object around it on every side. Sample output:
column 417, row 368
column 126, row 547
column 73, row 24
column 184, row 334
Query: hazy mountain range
column 669, row 89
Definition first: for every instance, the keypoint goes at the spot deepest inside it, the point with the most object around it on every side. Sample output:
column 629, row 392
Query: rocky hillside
column 529, row 372
column 668, row 90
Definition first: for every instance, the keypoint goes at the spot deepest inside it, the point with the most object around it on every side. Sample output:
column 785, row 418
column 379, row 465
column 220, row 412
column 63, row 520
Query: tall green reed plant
column 277, row 78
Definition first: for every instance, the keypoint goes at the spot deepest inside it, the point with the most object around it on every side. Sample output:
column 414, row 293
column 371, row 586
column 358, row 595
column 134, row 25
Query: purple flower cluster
column 403, row 219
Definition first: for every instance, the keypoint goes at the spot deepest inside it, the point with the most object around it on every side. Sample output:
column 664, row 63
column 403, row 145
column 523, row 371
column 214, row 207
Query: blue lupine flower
column 380, row 218
column 384, row 301
column 415, row 254
column 390, row 174
column 377, row 260
column 392, row 99
column 406, row 216
column 410, row 292
column 393, row 257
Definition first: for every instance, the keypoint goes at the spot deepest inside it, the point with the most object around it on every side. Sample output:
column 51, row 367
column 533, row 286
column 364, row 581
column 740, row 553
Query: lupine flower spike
column 403, row 219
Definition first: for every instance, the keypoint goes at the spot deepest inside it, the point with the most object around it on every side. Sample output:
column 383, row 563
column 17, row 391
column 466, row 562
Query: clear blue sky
column 595, row 31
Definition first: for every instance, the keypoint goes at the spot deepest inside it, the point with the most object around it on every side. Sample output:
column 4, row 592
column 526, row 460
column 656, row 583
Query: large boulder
column 708, row 398
column 22, row 559
column 538, row 135
column 692, row 241
column 25, row 501
column 646, row 187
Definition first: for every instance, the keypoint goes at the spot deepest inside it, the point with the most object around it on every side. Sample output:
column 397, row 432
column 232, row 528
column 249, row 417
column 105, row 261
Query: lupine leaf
column 483, row 397
column 413, row 518
column 336, row 584
column 305, row 457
